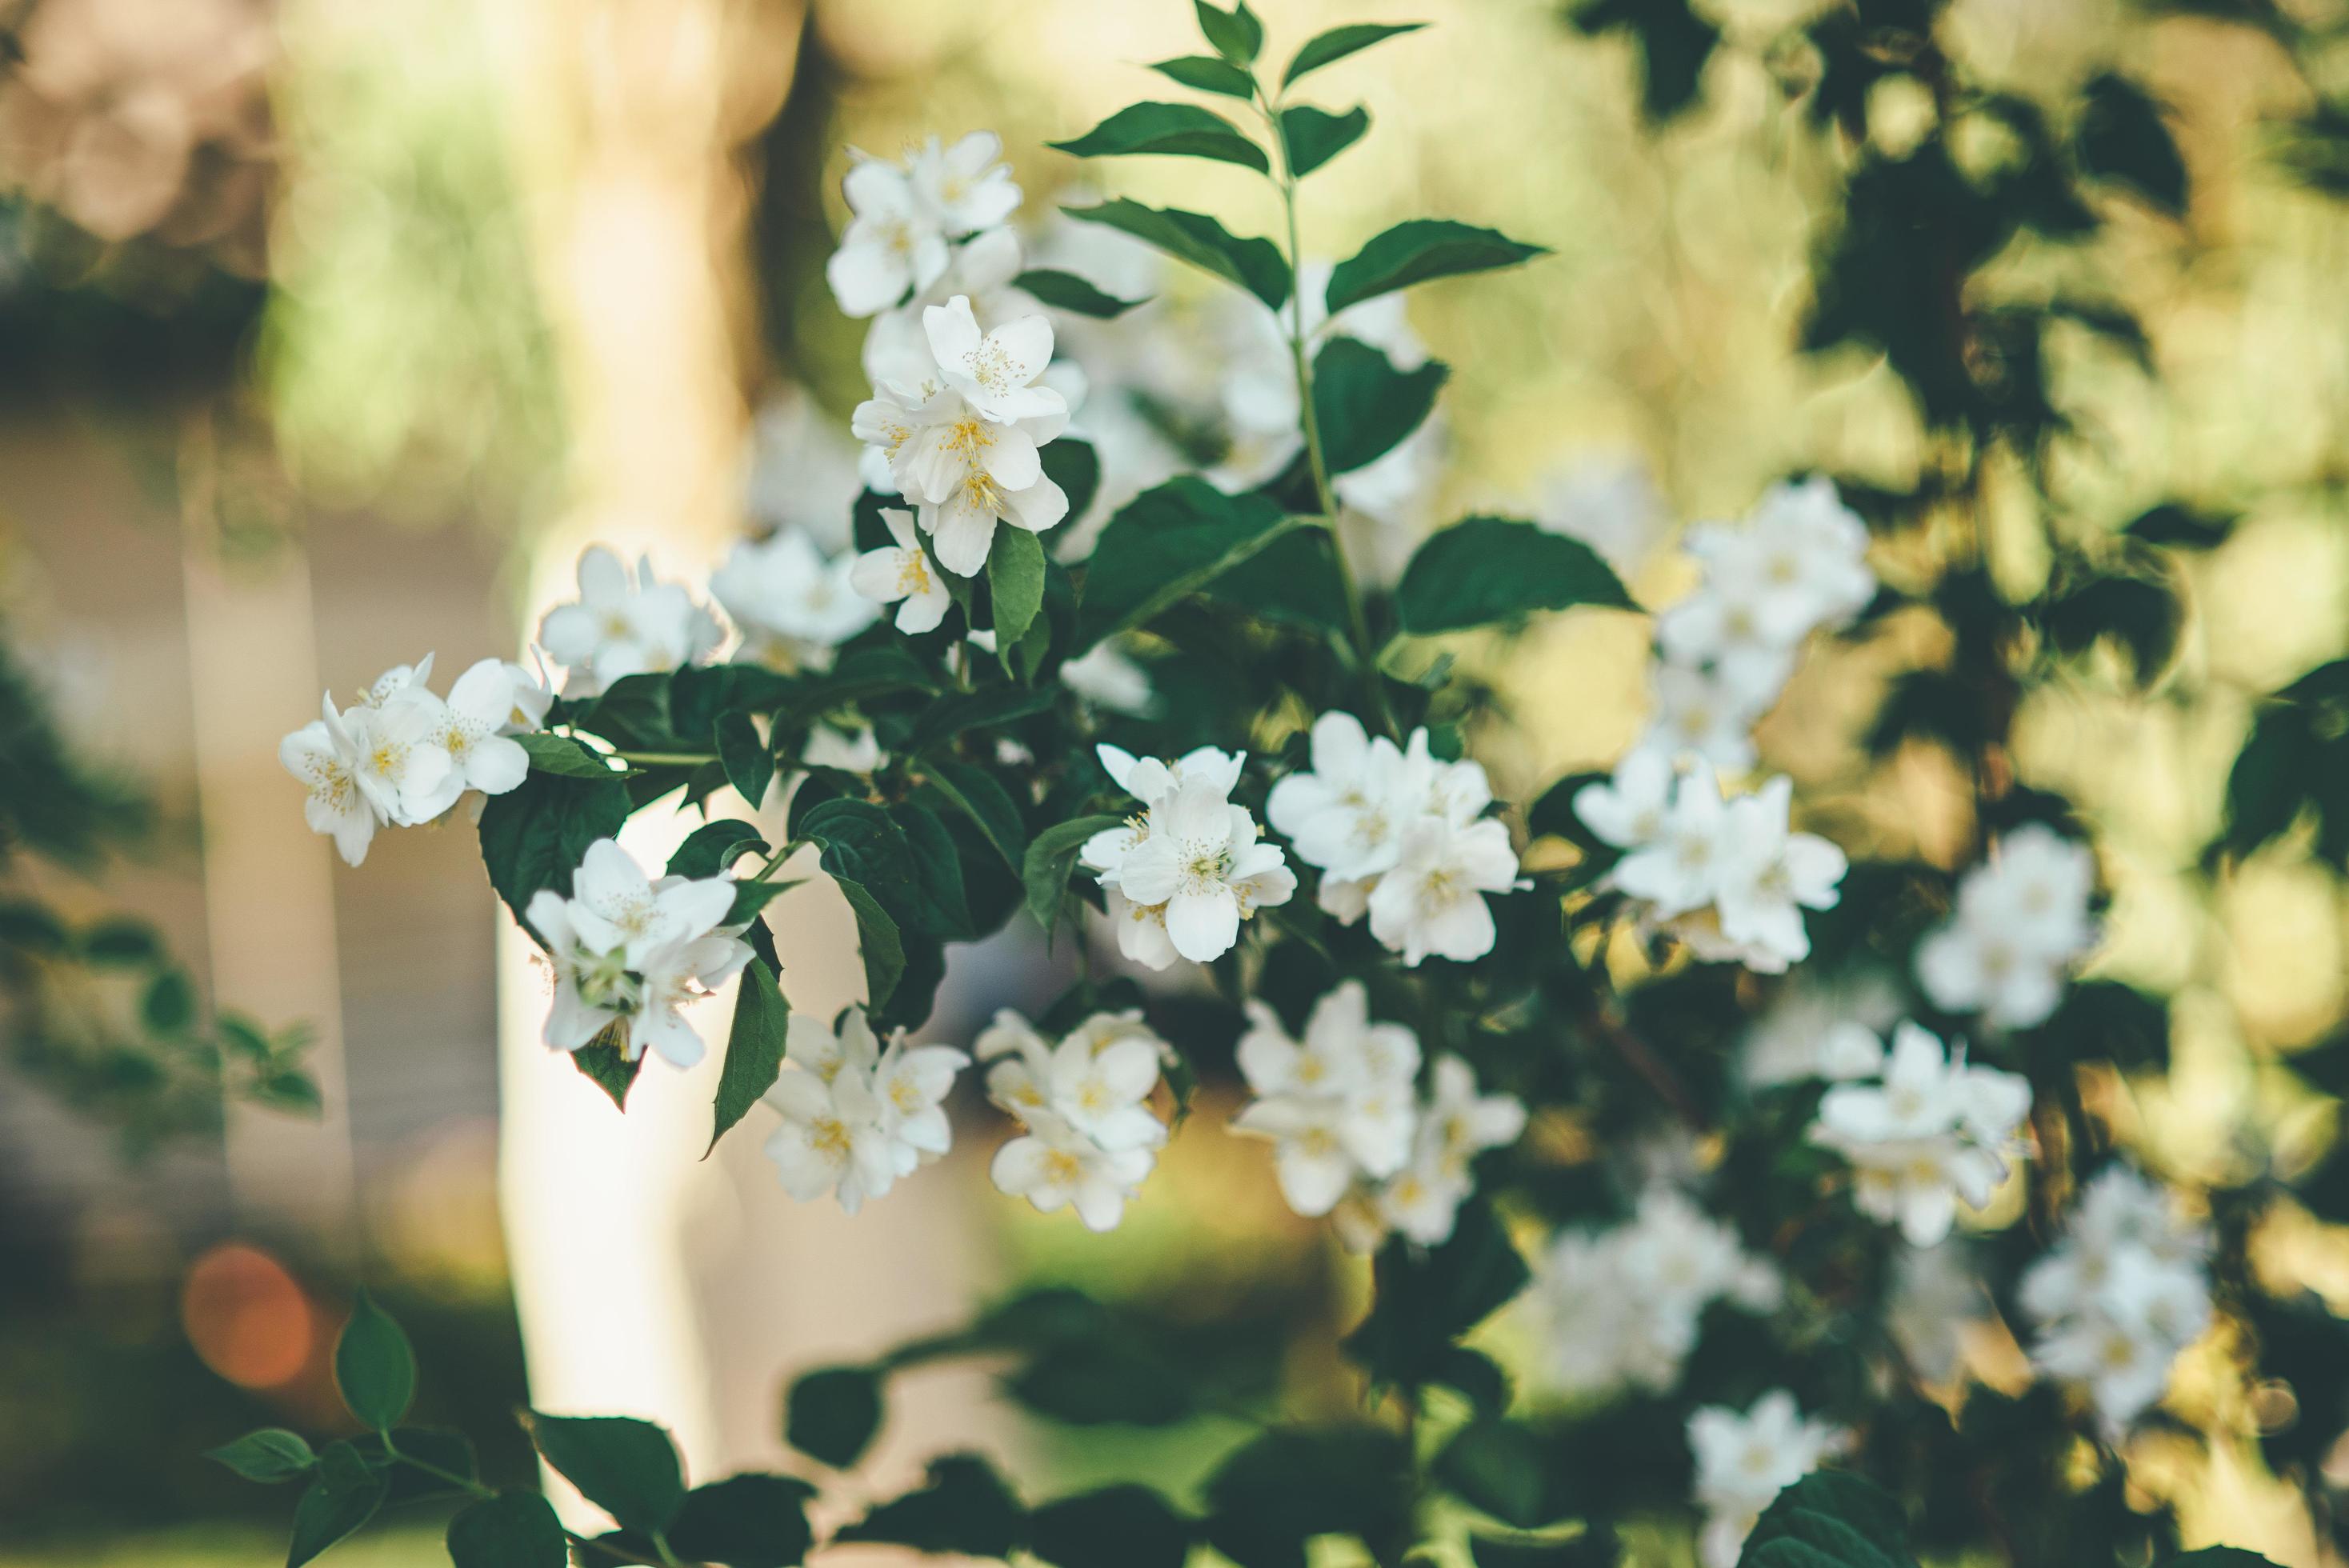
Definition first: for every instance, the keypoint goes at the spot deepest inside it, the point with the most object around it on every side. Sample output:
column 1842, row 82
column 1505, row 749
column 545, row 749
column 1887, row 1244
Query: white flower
column 1108, row 679
column 1097, row 1080
column 1347, row 814
column 1610, row 505
column 1820, row 1029
column 896, row 346
column 324, row 756
column 1745, row 1460
column 856, row 1117
column 630, row 949
column 1337, row 1105
column 792, row 605
column 1192, row 856
column 1769, row 876
column 896, row 240
column 1055, row 1166
column 2021, row 921
column 1727, row 877
column 1677, row 869
column 1704, row 715
column 993, row 370
column 620, row 627
column 401, row 767
column 1935, row 1294
column 1422, row 1200
column 1431, row 901
column 1629, row 809
column 967, row 186
column 2120, row 1295
column 1796, row 563
column 900, row 575
column 475, row 725
column 1933, row 1132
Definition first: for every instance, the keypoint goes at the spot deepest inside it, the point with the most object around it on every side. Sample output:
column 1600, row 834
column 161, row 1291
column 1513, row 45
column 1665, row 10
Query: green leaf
column 1364, row 405
column 121, row 940
column 272, row 1454
column 750, row 764
column 1075, row 467
column 1596, row 1547
column 833, row 1413
column 374, row 1367
column 744, row 1522
column 1312, row 136
column 1426, row 1301
column 939, row 904
column 345, row 1496
column 1328, row 48
column 1116, row 1527
column 862, row 843
column 1235, row 34
column 973, row 791
column 1165, row 543
column 1483, row 570
column 2123, row 139
column 1174, row 129
column 859, row 677
column 415, row 1446
column 511, row 1530
column 1254, row 265
column 712, row 847
column 1674, row 45
column 2140, row 614
column 1015, row 579
column 1504, row 1470
column 1066, row 291
column 1208, row 75
column 877, row 942
column 534, row 835
column 2271, row 779
column 602, row 1063
column 2177, row 526
column 1052, row 857
column 1293, row 579
column 754, row 1047
column 1830, row 1519
column 1271, row 1495
column 966, row 1508
column 1102, row 1379
column 625, row 1467
column 975, row 710
column 568, row 759
column 1418, row 251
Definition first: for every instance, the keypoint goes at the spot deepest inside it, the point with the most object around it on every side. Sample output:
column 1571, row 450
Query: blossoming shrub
column 1545, row 1048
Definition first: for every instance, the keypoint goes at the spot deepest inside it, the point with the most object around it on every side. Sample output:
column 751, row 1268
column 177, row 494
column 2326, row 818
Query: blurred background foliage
column 277, row 278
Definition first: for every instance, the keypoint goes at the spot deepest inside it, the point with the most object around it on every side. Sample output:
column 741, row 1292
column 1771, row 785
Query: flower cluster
column 2020, row 921
column 1728, row 876
column 1348, row 1127
column 856, row 1116
column 1401, row 834
column 631, row 953
column 1620, row 1308
column 962, row 441
column 2120, row 1295
column 623, row 625
column 903, row 217
column 791, row 603
column 401, row 755
column 1090, row 1138
column 1745, row 1458
column 1931, row 1131
column 1796, row 563
column 1182, row 874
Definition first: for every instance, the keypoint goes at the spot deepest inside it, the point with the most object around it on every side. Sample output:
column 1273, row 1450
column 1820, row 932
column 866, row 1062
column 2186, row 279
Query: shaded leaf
column 1164, row 544
column 1116, row 1527
column 1174, row 129
column 744, row 1522
column 750, row 764
column 833, row 1413
column 1674, row 45
column 754, row 1047
column 534, row 835
column 1364, row 405
column 625, row 1467
column 2123, row 139
column 1312, row 137
column 1418, row 251
column 375, row 1370
column 1051, row 858
column 511, row 1530
column 1256, row 266
column 345, row 1496
column 966, row 1508
column 878, row 942
column 1329, row 47
column 1483, row 570
column 272, row 1454
column 1066, row 291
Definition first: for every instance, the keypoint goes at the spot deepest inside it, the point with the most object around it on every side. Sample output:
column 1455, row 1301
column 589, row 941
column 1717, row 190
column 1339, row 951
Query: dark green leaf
column 121, row 940
column 877, row 941
column 534, row 835
column 511, row 1530
column 1015, row 580
column 1830, row 1519
column 2139, row 613
column 416, row 1445
column 833, row 1413
column 975, row 710
column 1208, row 75
column 1426, row 1301
column 744, row 1522
column 1066, row 291
column 1177, row 130
column 1417, row 250
column 374, row 1367
column 1102, row 1379
column 750, row 764
column 1364, row 405
column 1595, row 1547
column 625, row 1467
column 1293, row 579
column 2271, row 779
column 1328, row 48
column 1504, row 1470
column 1116, row 1527
column 1052, row 857
column 345, row 1496
column 973, row 791
column 1256, row 266
column 713, row 847
column 2177, row 526
column 1272, row 1494
column 1674, row 45
column 754, row 1047
column 859, row 677
column 1312, row 136
column 1165, row 543
column 566, row 757
column 1483, row 570
column 169, row 1004
column 860, row 841
column 939, row 904
column 1235, row 34
column 271, row 1454
column 2124, row 140
column 1075, row 467
column 603, row 1062
column 966, row 1508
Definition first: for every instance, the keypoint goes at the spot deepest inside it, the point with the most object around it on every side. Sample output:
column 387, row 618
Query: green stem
column 666, row 758
column 1358, row 625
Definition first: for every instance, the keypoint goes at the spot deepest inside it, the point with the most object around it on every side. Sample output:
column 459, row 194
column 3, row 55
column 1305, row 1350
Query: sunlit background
column 330, row 331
